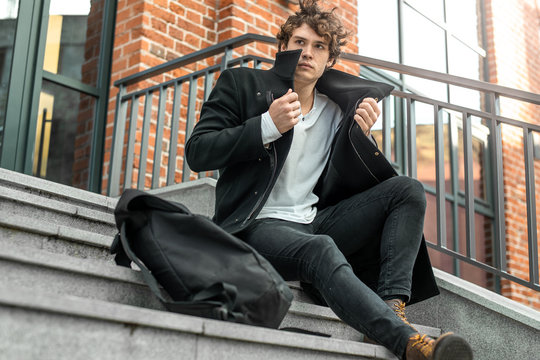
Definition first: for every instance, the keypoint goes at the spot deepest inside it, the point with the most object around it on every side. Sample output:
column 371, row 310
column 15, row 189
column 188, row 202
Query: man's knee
column 324, row 254
column 411, row 189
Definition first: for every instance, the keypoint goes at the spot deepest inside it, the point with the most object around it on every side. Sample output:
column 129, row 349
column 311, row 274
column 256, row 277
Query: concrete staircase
column 62, row 296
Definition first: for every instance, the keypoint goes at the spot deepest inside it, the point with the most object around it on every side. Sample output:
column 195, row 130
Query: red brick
column 177, row 9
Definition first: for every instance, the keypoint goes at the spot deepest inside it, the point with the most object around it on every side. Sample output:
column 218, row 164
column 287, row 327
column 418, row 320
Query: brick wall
column 151, row 32
column 513, row 46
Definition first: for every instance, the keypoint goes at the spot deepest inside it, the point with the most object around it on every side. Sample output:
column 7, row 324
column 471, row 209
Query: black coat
column 228, row 137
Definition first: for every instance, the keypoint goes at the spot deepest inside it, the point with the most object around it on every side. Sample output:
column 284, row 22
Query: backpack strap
column 217, row 301
column 121, row 257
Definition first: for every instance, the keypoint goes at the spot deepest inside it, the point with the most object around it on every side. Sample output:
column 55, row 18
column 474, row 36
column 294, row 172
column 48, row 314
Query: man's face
column 315, row 54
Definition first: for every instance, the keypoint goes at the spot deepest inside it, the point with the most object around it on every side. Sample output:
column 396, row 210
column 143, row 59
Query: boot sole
column 452, row 347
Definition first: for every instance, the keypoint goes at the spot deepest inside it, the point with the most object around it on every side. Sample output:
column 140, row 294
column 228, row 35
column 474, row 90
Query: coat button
column 377, row 153
column 259, row 159
column 376, row 99
column 259, row 93
column 255, row 193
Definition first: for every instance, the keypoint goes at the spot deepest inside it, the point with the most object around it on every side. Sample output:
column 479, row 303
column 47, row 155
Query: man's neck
column 305, row 96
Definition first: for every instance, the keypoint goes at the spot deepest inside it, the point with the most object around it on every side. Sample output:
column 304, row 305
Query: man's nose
column 307, row 52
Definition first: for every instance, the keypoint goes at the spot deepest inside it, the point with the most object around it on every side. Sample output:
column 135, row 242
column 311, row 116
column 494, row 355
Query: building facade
column 58, row 99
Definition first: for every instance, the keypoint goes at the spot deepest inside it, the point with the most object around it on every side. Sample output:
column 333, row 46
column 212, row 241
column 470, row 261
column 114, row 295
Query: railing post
column 227, row 56
column 411, row 138
column 454, row 179
column 115, row 162
column 159, row 137
column 134, row 116
column 532, row 229
column 469, row 187
column 440, row 177
column 498, row 198
column 190, row 123
column 173, row 142
column 143, row 160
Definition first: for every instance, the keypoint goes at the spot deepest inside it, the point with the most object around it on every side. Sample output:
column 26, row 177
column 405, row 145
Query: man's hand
column 284, row 111
column 366, row 114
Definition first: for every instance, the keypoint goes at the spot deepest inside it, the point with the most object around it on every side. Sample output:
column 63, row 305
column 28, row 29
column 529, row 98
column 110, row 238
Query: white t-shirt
column 292, row 197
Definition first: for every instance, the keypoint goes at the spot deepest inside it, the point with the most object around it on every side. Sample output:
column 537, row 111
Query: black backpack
column 204, row 270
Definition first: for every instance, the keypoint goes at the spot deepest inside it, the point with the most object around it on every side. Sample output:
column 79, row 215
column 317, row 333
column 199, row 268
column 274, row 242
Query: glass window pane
column 424, row 47
column 63, row 135
column 426, row 156
column 8, row 23
column 378, row 35
column 462, row 61
column 433, row 9
column 423, row 42
column 73, row 39
column 462, row 19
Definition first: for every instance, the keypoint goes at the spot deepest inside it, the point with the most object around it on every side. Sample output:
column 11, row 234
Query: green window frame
column 26, row 80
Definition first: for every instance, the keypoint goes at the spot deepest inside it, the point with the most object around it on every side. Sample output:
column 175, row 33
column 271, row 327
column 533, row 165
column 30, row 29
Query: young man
column 302, row 182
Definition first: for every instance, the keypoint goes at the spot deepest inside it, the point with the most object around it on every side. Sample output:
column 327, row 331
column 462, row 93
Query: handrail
column 363, row 60
column 443, row 77
column 193, row 57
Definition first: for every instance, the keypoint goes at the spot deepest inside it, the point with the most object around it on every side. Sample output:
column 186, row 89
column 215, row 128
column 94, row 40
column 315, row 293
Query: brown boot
column 399, row 308
column 447, row 347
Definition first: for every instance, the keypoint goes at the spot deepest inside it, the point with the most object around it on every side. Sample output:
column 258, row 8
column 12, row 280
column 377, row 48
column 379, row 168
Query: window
column 443, row 36
column 52, row 120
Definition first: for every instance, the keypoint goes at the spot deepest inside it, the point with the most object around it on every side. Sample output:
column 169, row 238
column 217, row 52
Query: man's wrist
column 269, row 131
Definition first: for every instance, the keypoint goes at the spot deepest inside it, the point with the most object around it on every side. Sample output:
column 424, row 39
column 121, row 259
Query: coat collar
column 344, row 89
column 348, row 90
column 285, row 64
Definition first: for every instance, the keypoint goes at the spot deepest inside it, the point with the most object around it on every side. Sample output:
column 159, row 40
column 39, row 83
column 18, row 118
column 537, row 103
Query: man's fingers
column 372, row 103
column 296, row 113
column 289, row 97
column 361, row 122
column 366, row 109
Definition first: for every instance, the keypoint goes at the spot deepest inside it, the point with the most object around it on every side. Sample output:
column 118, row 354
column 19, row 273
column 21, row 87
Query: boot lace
column 423, row 343
column 399, row 309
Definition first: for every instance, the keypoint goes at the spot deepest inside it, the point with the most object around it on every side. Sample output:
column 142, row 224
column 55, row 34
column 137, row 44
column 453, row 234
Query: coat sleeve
column 224, row 136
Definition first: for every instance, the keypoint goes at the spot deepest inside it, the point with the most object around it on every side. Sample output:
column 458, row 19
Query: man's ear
column 329, row 64
column 282, row 47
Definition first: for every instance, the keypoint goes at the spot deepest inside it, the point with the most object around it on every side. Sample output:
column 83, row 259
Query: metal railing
column 174, row 111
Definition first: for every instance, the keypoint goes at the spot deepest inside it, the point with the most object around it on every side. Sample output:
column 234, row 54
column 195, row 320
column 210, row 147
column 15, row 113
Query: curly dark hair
column 325, row 23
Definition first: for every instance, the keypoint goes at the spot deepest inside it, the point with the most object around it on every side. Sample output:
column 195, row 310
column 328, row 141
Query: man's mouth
column 306, row 65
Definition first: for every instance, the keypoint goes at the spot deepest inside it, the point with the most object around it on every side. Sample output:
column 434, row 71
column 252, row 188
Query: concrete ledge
column 198, row 195
column 14, row 299
column 488, row 299
column 496, row 327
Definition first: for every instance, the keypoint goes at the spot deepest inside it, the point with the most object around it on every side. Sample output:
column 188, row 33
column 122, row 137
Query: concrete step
column 49, row 190
column 197, row 195
column 40, row 233
column 50, row 273
column 35, row 325
column 22, row 203
column 57, row 218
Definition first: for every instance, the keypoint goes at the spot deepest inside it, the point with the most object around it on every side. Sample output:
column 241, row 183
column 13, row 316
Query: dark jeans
column 381, row 226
